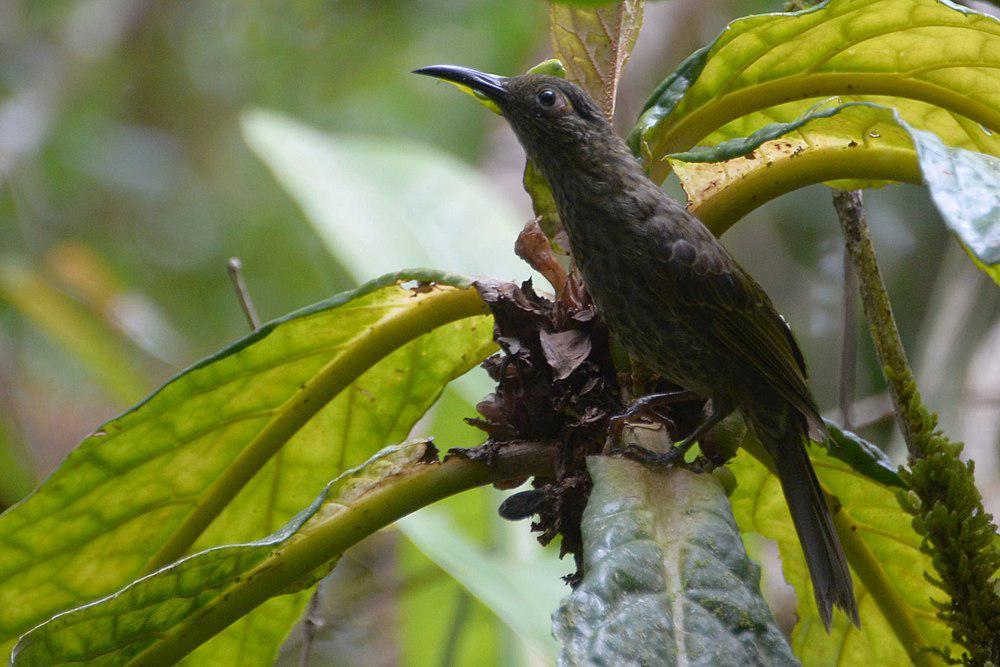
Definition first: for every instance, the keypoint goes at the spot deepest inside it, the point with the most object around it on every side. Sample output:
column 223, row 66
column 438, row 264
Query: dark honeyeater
column 674, row 296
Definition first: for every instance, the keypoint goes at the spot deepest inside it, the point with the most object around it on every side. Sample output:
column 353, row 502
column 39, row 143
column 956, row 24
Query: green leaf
column 861, row 455
column 74, row 327
column 852, row 140
column 965, row 186
column 521, row 594
column 203, row 452
column 158, row 618
column 667, row 578
column 413, row 203
column 594, row 43
column 930, row 51
column 898, row 616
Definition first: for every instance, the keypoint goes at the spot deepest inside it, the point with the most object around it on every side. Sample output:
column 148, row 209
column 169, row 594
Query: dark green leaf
column 667, row 580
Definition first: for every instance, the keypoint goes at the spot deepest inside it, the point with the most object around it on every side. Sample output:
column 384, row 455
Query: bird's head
column 550, row 115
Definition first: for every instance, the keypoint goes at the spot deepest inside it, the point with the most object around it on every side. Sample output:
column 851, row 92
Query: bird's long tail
column 831, row 578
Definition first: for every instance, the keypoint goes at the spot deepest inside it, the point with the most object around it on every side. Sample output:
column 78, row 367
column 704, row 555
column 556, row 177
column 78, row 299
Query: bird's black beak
column 489, row 85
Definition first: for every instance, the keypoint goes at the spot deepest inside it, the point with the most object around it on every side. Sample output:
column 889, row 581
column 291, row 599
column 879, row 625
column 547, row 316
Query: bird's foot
column 648, row 408
column 676, row 453
column 671, row 457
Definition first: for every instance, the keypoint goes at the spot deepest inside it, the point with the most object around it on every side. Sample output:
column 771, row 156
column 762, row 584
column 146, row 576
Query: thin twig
column 867, row 412
column 235, row 269
column 849, row 345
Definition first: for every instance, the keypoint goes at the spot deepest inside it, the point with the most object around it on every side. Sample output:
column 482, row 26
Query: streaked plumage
column 674, row 296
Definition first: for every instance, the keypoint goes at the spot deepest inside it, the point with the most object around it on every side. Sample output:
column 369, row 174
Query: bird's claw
column 636, row 453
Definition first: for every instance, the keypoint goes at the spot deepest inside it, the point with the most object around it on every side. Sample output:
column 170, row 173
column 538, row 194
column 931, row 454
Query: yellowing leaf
column 926, row 50
column 894, row 599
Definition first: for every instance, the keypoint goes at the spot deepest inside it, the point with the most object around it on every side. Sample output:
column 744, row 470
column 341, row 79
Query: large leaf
column 201, row 452
column 521, row 593
column 159, row 618
column 927, row 50
column 852, row 140
column 898, row 617
column 594, row 43
column 667, row 581
column 413, row 203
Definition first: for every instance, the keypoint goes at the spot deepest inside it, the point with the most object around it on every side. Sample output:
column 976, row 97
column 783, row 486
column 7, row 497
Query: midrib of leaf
column 865, row 566
column 614, row 36
column 606, row 62
column 672, row 566
column 703, row 120
column 396, row 497
column 895, row 610
column 721, row 211
column 388, row 334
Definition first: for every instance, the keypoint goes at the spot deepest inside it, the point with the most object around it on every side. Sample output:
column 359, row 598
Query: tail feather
column 831, row 578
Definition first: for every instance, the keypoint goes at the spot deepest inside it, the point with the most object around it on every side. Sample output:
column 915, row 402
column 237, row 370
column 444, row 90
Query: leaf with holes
column 233, row 447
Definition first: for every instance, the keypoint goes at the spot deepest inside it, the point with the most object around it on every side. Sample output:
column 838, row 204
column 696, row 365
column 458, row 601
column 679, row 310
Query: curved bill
column 490, row 85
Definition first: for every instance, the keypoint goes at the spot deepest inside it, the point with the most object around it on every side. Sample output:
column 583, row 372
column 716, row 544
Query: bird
column 674, row 297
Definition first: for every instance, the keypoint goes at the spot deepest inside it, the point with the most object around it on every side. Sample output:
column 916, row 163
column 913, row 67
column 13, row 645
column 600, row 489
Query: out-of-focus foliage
column 16, row 479
column 122, row 127
column 521, row 592
column 420, row 203
column 84, row 335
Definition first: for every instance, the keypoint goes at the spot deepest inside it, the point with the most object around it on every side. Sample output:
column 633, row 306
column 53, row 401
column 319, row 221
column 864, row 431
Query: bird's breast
column 619, row 270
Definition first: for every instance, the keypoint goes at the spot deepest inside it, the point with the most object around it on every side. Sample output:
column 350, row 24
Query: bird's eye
column 547, row 97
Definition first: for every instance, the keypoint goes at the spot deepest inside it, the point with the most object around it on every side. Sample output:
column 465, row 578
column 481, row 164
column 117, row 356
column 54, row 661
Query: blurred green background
column 140, row 149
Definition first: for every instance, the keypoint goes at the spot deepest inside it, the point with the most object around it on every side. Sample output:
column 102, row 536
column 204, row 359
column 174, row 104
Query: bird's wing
column 722, row 304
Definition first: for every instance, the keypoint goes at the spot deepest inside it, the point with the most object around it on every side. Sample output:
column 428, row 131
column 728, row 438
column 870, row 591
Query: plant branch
column 878, row 310
column 947, row 507
column 235, row 268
